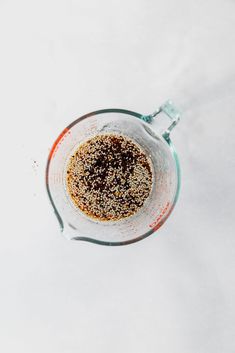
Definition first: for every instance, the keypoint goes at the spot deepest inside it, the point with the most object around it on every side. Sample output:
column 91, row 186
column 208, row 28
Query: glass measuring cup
column 151, row 133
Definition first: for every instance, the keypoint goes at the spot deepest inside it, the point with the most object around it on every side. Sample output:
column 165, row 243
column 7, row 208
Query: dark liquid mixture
column 109, row 177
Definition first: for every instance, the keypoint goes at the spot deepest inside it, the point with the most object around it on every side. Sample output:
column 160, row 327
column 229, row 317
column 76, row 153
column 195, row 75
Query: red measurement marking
column 59, row 139
column 156, row 224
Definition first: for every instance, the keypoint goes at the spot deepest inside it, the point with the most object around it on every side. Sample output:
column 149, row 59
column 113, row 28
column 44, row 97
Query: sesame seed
column 109, row 177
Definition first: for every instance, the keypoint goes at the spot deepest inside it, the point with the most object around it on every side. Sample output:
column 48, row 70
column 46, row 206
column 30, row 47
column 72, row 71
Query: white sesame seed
column 109, row 177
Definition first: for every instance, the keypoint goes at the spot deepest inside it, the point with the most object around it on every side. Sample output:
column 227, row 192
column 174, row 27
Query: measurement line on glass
column 160, row 216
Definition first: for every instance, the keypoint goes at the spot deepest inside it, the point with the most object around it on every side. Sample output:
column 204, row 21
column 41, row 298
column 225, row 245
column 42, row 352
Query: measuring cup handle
column 171, row 111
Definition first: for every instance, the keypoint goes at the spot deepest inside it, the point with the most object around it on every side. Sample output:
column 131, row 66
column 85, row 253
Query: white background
column 170, row 293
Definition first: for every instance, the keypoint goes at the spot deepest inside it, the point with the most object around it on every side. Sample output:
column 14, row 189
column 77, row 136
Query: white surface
column 169, row 293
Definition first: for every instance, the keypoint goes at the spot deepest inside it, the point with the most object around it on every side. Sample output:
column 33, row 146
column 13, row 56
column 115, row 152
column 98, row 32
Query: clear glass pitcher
column 152, row 134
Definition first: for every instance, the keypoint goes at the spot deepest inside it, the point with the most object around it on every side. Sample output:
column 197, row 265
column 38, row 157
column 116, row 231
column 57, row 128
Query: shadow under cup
column 74, row 223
